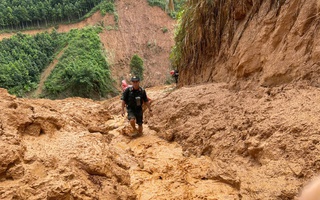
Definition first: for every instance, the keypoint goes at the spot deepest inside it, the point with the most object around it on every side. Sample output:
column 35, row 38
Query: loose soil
column 210, row 141
column 202, row 142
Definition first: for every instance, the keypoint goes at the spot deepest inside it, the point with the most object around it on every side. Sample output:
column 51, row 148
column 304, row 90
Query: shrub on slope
column 83, row 70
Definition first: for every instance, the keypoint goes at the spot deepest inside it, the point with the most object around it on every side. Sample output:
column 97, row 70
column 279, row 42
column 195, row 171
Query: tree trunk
column 171, row 6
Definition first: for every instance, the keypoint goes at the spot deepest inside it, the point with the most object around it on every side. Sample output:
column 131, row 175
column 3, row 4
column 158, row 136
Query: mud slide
column 160, row 170
column 75, row 149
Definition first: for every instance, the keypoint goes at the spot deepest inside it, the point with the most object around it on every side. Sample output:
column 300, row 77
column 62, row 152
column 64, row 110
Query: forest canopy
column 83, row 69
column 20, row 14
column 22, row 59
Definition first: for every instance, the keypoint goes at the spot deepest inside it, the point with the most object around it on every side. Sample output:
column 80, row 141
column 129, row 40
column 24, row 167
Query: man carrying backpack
column 133, row 97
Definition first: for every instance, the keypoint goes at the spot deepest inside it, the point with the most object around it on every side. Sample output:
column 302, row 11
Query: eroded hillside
column 251, row 43
column 143, row 30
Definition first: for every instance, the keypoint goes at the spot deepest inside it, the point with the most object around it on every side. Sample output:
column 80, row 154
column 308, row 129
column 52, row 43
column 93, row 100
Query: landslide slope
column 141, row 32
column 203, row 142
column 263, row 143
column 251, row 43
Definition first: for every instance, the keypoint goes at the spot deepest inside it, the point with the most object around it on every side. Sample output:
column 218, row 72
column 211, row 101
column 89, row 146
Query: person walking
column 175, row 74
column 133, row 98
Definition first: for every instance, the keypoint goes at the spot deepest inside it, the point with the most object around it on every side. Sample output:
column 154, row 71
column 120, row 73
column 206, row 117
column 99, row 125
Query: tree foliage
column 136, row 66
column 172, row 7
column 22, row 59
column 82, row 70
column 20, row 14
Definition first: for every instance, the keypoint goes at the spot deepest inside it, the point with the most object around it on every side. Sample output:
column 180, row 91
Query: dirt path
column 45, row 75
column 160, row 170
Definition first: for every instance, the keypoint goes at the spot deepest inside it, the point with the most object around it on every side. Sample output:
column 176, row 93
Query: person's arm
column 123, row 99
column 146, row 100
column 122, row 107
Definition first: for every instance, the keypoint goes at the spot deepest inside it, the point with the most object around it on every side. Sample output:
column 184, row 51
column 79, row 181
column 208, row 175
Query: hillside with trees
column 89, row 62
column 21, row 14
column 23, row 58
column 82, row 70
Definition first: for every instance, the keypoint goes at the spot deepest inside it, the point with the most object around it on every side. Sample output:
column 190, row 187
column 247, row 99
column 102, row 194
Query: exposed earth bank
column 260, row 43
column 203, row 142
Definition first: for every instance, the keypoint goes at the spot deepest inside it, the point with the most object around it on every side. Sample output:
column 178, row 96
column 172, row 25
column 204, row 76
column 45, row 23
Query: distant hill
column 131, row 28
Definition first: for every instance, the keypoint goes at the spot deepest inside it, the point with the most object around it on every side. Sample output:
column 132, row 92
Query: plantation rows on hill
column 20, row 14
column 82, row 70
column 22, row 59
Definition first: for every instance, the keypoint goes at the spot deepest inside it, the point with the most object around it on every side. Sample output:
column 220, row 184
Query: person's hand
column 122, row 113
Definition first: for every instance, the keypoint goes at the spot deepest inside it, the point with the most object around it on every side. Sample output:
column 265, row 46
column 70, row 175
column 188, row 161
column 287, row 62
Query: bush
column 82, row 70
column 164, row 4
column 136, row 66
column 159, row 3
column 107, row 7
column 164, row 29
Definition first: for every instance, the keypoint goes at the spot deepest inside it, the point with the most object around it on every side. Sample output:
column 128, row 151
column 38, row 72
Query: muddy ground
column 202, row 142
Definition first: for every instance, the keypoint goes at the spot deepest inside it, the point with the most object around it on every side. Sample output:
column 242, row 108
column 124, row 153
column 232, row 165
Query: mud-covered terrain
column 202, row 142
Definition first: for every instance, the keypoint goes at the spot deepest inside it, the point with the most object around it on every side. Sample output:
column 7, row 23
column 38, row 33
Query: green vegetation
column 172, row 7
column 82, row 70
column 21, row 14
column 160, row 3
column 22, row 58
column 164, row 29
column 176, row 51
column 136, row 66
column 107, row 7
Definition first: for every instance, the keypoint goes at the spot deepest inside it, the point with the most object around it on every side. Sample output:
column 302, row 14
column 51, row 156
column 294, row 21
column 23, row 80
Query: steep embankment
column 145, row 31
column 264, row 43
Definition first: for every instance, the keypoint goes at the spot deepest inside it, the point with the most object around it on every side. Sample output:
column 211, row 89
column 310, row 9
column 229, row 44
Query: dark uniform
column 134, row 100
column 176, row 75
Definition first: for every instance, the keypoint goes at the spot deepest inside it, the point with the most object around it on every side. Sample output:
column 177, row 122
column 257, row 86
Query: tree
column 136, row 66
column 171, row 5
